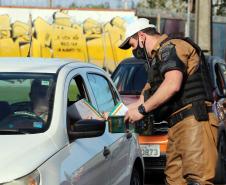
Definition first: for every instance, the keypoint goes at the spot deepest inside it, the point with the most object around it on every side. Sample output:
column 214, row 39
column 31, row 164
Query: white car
column 42, row 145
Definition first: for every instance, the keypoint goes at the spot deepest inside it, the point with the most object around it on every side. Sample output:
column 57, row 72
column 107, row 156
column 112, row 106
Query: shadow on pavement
column 154, row 178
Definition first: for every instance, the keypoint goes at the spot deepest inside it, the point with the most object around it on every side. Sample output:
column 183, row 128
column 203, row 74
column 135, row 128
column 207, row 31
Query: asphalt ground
column 157, row 178
column 154, row 178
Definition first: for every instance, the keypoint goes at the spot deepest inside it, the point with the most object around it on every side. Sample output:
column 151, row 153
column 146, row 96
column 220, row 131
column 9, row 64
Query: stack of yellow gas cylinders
column 90, row 41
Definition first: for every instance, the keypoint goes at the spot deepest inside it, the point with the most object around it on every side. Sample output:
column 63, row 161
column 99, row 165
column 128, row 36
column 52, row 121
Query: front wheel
column 135, row 178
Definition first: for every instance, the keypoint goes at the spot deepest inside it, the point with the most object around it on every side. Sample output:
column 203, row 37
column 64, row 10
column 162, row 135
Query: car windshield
column 130, row 78
column 25, row 102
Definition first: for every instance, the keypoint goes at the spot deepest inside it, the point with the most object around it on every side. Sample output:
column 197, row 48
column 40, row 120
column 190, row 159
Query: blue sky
column 66, row 3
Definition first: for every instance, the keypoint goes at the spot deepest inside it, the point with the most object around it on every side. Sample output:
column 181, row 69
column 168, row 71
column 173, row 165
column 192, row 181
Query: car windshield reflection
column 130, row 78
column 25, row 102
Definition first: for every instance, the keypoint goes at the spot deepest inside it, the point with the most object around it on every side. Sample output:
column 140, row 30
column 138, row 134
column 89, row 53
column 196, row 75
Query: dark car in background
column 217, row 67
column 130, row 77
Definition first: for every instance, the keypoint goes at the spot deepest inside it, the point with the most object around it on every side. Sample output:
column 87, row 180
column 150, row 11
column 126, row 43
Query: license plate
column 150, row 150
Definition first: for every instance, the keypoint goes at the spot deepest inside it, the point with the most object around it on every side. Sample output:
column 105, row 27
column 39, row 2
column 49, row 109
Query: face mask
column 139, row 52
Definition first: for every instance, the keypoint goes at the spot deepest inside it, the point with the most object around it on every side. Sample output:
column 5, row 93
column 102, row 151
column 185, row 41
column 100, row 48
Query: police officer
column 178, row 91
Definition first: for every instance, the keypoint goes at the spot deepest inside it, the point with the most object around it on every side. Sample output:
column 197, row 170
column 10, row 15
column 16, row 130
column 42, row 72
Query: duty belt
column 172, row 120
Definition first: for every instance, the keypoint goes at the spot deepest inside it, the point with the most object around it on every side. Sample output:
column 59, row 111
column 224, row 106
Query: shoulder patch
column 165, row 51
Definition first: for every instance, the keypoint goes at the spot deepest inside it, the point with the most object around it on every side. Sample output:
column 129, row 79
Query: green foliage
column 156, row 4
column 178, row 5
column 96, row 6
column 73, row 5
column 172, row 5
column 105, row 5
column 221, row 10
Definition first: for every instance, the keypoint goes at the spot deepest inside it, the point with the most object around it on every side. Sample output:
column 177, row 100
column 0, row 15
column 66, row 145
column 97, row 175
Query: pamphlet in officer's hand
column 82, row 109
column 116, row 119
column 119, row 110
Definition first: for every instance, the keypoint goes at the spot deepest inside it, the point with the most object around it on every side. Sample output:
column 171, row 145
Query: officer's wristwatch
column 141, row 110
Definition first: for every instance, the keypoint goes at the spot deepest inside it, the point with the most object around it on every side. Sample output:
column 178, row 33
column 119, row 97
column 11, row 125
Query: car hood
column 22, row 154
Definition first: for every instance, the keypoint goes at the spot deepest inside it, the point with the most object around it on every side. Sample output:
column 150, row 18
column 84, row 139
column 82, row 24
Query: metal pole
column 159, row 22
column 50, row 3
column 105, row 62
column 211, row 27
column 203, row 26
column 30, row 54
column 196, row 20
column 187, row 26
column 125, row 4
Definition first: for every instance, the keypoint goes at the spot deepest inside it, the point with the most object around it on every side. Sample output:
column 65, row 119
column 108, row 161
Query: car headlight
column 30, row 179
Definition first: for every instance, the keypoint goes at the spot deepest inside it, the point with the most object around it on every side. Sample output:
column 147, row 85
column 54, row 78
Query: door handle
column 106, row 151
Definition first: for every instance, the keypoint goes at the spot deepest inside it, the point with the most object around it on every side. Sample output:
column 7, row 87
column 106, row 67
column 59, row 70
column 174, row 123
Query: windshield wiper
column 12, row 131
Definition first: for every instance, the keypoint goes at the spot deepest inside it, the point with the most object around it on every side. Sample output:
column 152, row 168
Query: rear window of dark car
column 130, row 78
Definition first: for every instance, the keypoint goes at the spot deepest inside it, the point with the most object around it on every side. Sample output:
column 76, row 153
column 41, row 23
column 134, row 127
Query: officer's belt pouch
column 199, row 110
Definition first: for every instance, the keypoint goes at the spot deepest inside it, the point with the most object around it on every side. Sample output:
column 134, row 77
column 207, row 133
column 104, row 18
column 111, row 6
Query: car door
column 220, row 72
column 89, row 153
column 220, row 78
column 106, row 98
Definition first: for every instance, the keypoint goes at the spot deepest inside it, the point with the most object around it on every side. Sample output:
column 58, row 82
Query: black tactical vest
column 194, row 88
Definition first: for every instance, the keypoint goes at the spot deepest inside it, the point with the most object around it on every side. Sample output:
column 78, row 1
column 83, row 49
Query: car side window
column 102, row 92
column 76, row 90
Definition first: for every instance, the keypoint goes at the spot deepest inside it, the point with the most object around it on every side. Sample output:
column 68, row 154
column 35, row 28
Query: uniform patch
column 165, row 52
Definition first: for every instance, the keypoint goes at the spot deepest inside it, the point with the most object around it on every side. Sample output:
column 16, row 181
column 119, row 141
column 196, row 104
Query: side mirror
column 86, row 129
